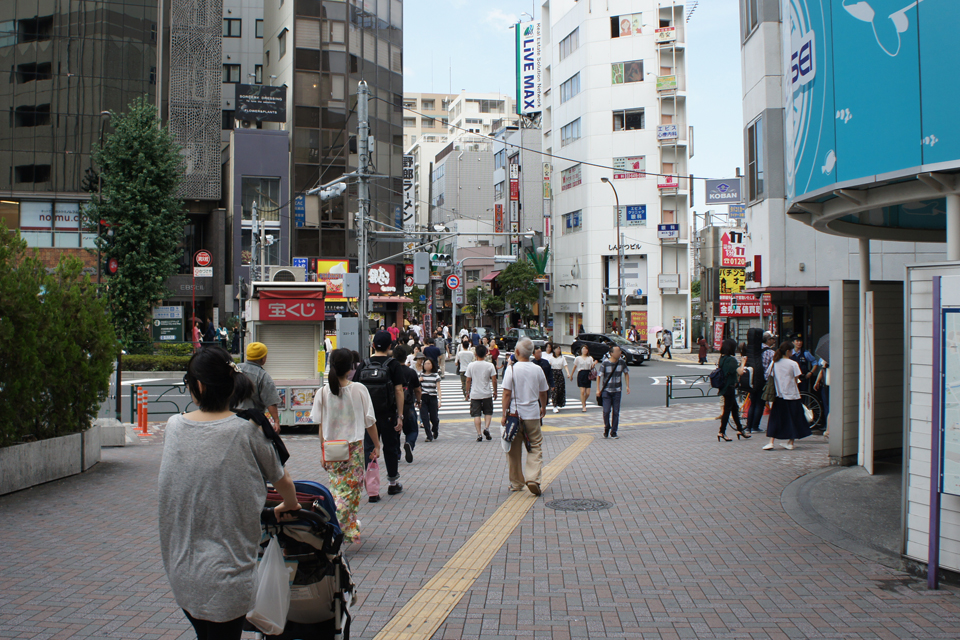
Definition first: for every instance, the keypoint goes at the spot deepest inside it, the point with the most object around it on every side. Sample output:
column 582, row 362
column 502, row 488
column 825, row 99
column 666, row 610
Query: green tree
column 695, row 289
column 419, row 308
column 518, row 288
column 493, row 304
column 141, row 169
column 62, row 347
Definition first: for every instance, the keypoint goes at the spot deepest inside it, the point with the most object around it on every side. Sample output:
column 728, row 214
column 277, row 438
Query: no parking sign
column 453, row 281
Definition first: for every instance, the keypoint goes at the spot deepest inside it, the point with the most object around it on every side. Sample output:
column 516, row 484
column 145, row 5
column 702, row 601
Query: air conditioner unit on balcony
column 288, row 274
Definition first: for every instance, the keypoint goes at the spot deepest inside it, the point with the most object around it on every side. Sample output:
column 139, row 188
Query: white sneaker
column 767, row 447
column 556, row 409
column 789, row 447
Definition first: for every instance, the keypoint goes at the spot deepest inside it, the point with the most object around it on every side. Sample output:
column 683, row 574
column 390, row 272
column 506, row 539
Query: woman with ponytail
column 344, row 411
column 212, row 487
column 787, row 421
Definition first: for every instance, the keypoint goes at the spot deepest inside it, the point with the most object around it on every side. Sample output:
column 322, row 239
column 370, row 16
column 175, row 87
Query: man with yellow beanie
column 265, row 396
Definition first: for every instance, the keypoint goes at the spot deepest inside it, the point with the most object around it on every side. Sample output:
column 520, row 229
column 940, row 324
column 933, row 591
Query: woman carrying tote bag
column 787, row 420
column 344, row 411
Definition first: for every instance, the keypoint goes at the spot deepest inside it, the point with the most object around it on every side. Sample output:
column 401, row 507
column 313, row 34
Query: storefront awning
column 490, row 277
column 784, row 289
column 389, row 299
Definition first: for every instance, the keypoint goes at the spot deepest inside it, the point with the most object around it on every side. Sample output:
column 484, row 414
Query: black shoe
column 407, row 452
column 374, row 499
column 436, row 435
column 486, row 434
column 429, row 439
column 394, row 489
column 606, row 432
column 479, row 438
column 614, row 436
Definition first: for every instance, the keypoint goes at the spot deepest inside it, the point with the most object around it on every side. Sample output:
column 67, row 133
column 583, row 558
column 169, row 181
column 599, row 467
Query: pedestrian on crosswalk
column 583, row 365
column 558, row 366
column 463, row 360
column 430, row 400
column 482, row 389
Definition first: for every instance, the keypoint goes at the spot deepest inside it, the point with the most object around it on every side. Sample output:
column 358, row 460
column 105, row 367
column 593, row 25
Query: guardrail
column 178, row 387
column 690, row 388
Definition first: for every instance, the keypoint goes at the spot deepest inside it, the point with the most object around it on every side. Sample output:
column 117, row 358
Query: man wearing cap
column 264, row 396
column 389, row 414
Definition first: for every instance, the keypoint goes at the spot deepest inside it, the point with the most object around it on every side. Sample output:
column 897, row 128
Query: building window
column 572, row 222
column 228, row 118
column 473, row 275
column 499, row 159
column 258, row 73
column 630, row 24
column 32, row 173
column 266, row 57
column 626, row 72
column 755, row 160
column 569, row 133
column 35, row 30
column 628, row 120
column 429, row 105
column 751, row 17
column 231, row 73
column 409, row 123
column 570, row 44
column 283, row 43
column 34, row 71
column 231, row 27
column 32, row 116
column 258, row 29
column 498, row 191
column 570, row 88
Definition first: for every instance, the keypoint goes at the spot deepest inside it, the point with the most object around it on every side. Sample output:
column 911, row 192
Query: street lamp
column 606, row 180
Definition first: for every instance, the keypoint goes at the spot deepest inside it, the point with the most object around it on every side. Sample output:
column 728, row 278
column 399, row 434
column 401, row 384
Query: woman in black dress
column 787, row 421
column 732, row 370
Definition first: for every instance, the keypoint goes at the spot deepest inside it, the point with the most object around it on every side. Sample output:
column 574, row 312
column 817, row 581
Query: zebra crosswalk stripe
column 455, row 405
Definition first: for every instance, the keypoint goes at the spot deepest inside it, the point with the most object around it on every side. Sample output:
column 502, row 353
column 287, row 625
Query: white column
column 953, row 227
column 866, row 360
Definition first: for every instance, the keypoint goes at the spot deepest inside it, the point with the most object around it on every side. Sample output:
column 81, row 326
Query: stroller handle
column 268, row 516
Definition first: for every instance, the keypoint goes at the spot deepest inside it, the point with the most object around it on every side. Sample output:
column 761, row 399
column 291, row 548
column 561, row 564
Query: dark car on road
column 508, row 342
column 600, row 343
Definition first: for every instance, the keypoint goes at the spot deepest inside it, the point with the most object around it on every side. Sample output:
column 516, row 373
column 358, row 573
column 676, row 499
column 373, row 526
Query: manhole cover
column 579, row 504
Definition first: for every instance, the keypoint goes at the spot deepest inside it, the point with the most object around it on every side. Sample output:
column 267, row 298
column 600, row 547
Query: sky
column 467, row 44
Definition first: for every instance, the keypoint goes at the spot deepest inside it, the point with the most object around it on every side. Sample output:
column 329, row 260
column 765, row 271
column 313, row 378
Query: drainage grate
column 579, row 504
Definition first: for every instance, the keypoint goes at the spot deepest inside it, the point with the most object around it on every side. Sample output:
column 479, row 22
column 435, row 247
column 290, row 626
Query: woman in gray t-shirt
column 212, row 487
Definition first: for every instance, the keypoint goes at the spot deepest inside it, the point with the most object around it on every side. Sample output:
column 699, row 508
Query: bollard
column 143, row 401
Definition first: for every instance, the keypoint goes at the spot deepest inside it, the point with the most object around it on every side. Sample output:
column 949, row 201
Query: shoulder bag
column 770, row 388
column 605, row 383
column 512, row 425
column 261, row 421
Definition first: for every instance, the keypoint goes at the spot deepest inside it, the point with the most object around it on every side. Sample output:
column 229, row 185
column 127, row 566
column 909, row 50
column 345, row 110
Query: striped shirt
column 428, row 383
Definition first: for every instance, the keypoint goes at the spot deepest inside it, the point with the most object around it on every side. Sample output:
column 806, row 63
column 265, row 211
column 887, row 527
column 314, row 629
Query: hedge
column 59, row 345
column 157, row 363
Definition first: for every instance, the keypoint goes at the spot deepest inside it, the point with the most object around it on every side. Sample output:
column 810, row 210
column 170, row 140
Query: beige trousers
column 532, row 472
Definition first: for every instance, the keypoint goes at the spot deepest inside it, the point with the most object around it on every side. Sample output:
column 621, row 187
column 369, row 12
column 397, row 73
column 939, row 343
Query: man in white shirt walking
column 525, row 394
column 482, row 390
column 463, row 360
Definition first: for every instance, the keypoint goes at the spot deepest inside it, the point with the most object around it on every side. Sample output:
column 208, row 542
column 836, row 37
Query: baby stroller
column 322, row 591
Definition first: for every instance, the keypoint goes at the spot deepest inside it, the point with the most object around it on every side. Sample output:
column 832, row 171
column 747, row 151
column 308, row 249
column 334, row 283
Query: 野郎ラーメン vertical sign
column 409, row 224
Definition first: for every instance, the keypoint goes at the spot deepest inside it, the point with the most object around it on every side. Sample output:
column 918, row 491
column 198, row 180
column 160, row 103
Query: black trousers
column 666, row 353
column 730, row 408
column 206, row 630
column 755, row 414
column 389, row 445
column 430, row 414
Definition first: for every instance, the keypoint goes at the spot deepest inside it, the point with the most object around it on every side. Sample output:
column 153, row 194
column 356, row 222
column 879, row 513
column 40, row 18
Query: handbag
column 808, row 414
column 272, row 603
column 512, row 426
column 371, row 478
column 770, row 388
column 336, row 451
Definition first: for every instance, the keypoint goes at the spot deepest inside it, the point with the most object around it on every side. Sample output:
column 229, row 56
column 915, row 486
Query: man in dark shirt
column 544, row 364
column 389, row 418
column 411, row 401
column 432, row 352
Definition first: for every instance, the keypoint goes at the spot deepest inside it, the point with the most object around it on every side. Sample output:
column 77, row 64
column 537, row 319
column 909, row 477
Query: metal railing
column 690, row 388
column 179, row 388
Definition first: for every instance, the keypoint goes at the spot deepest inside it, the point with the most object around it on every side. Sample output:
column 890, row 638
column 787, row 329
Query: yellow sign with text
column 732, row 280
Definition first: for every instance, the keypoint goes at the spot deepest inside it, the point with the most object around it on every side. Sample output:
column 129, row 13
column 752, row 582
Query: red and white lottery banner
column 291, row 306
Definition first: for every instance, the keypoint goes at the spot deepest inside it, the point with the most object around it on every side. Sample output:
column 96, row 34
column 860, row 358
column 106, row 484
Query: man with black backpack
column 383, row 378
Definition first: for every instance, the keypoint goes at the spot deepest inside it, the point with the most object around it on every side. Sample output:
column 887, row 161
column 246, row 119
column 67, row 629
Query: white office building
column 614, row 96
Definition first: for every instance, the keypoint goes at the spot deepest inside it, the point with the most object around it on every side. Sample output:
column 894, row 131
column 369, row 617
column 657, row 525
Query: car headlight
column 632, row 352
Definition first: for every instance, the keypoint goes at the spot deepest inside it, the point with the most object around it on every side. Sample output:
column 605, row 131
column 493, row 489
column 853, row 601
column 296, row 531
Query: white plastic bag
column 269, row 613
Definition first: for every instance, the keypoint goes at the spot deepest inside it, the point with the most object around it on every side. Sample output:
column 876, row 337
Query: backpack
column 375, row 376
column 718, row 380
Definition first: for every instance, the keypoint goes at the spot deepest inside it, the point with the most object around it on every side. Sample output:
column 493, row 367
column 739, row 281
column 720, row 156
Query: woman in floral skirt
column 345, row 411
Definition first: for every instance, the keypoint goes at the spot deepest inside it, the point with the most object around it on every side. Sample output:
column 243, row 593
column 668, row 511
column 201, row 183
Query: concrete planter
column 33, row 463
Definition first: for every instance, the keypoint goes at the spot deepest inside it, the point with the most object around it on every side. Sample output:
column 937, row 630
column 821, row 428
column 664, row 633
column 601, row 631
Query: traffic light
column 332, row 192
column 441, row 259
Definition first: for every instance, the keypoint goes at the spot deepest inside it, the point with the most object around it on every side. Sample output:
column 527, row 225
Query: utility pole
column 456, row 270
column 363, row 200
column 254, row 242
column 619, row 254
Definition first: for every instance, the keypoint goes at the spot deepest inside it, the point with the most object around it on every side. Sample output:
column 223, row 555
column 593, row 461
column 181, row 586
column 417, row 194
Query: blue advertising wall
column 869, row 88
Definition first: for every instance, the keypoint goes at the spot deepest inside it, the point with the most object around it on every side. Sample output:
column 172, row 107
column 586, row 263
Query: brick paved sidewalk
column 696, row 545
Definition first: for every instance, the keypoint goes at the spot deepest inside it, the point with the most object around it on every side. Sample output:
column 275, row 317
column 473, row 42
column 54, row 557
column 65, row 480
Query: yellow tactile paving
column 425, row 612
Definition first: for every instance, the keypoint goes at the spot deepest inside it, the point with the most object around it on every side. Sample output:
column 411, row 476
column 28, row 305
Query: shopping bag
column 808, row 414
column 371, row 479
column 746, row 406
column 269, row 613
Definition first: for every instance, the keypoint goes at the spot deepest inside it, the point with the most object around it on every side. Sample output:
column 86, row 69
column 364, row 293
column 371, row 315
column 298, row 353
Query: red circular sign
column 453, row 281
column 113, row 265
column 203, row 258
